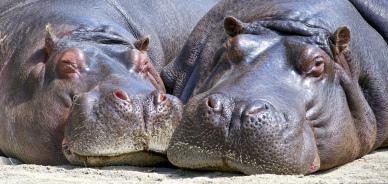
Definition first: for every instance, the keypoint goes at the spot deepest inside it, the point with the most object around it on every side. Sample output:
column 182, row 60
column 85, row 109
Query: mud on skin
column 80, row 80
column 281, row 87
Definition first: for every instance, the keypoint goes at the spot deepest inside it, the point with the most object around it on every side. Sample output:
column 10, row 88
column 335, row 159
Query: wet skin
column 80, row 80
column 285, row 89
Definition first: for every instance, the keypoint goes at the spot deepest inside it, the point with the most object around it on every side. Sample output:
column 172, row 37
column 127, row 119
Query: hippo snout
column 116, row 127
column 218, row 130
column 121, row 96
column 138, row 106
column 224, row 113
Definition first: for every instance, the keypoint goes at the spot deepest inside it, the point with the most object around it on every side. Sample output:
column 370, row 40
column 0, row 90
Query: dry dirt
column 372, row 168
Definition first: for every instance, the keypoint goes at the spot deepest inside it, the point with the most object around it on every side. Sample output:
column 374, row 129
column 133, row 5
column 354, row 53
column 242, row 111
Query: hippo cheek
column 253, row 139
column 120, row 129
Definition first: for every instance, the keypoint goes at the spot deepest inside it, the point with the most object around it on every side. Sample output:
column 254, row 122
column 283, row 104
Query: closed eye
column 318, row 67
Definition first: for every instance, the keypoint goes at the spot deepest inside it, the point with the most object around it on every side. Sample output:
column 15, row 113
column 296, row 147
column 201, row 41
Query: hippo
column 281, row 87
column 80, row 80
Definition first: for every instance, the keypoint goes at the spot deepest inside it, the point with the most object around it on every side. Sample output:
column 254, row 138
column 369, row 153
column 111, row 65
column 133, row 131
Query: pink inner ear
column 142, row 65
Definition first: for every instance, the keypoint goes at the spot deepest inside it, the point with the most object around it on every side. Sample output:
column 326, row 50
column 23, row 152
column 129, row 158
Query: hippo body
column 279, row 86
column 85, row 66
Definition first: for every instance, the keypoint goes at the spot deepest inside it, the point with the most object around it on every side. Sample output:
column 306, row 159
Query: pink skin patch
column 313, row 168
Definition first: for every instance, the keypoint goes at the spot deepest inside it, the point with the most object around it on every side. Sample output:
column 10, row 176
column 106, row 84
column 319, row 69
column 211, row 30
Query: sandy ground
column 372, row 168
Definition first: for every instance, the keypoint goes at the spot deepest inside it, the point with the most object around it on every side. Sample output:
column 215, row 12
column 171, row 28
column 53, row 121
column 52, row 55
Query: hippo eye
column 317, row 67
column 70, row 63
column 66, row 68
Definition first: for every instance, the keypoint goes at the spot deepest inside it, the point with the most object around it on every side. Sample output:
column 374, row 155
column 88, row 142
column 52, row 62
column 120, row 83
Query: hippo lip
column 140, row 158
column 137, row 158
column 225, row 160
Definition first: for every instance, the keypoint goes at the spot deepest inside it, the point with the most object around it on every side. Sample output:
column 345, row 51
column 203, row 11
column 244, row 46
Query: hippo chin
column 80, row 79
column 290, row 88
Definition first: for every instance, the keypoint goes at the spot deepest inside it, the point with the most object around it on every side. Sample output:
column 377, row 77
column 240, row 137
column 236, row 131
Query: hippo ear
column 50, row 39
column 232, row 26
column 341, row 39
column 142, row 43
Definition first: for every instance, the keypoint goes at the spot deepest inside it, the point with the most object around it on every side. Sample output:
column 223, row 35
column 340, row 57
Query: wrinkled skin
column 283, row 87
column 80, row 80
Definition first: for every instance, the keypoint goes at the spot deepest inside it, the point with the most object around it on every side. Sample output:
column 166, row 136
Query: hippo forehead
column 107, row 64
column 264, row 63
column 273, row 51
column 310, row 32
column 254, row 49
column 248, row 46
column 100, row 59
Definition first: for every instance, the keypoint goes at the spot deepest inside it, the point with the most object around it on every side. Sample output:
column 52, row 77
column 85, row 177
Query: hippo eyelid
column 316, row 61
column 319, row 62
column 71, row 64
column 317, row 68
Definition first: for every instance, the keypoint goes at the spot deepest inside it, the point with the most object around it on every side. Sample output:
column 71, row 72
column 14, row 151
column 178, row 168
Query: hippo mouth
column 136, row 158
column 139, row 149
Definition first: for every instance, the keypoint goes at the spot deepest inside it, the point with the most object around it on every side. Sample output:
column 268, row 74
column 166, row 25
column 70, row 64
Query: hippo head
column 279, row 99
column 115, row 108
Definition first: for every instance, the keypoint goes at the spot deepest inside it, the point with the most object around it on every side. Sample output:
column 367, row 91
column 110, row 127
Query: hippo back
column 375, row 12
column 169, row 31
column 167, row 23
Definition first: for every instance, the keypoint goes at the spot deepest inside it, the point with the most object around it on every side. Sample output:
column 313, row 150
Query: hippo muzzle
column 230, row 127
column 112, row 127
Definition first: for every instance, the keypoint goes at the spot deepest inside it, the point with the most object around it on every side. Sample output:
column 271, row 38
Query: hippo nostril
column 214, row 103
column 161, row 98
column 118, row 94
column 255, row 109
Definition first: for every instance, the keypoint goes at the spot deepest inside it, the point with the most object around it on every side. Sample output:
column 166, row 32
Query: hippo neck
column 133, row 28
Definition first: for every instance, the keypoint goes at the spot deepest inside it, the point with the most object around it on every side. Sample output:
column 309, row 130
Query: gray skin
column 284, row 87
column 80, row 84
